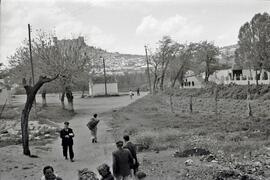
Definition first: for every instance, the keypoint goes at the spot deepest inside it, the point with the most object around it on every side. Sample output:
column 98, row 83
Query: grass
column 230, row 134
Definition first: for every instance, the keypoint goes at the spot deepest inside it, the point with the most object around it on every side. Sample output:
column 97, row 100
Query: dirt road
column 13, row 165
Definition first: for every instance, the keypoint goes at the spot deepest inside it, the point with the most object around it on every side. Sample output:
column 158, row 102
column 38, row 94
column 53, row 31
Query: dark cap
column 66, row 123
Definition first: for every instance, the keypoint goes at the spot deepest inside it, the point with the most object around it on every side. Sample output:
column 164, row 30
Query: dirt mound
column 232, row 174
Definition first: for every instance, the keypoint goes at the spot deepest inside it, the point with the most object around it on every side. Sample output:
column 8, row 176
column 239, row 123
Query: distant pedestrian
column 132, row 148
column 67, row 141
column 86, row 174
column 138, row 91
column 122, row 162
column 104, row 171
column 92, row 125
column 131, row 94
column 48, row 174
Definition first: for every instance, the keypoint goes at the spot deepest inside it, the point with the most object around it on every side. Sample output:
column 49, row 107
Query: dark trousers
column 66, row 148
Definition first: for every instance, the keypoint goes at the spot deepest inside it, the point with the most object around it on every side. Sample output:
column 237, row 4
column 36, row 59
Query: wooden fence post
column 248, row 101
column 216, row 100
column 190, row 104
column 171, row 103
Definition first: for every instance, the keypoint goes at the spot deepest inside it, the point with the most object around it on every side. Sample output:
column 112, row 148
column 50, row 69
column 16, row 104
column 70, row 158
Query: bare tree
column 31, row 92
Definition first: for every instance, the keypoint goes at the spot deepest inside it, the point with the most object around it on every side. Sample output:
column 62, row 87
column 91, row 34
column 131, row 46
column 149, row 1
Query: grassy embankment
column 235, row 140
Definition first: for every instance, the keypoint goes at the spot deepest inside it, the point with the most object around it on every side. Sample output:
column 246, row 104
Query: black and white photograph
column 134, row 89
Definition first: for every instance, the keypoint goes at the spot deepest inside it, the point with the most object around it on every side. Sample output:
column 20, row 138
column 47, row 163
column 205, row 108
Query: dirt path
column 13, row 165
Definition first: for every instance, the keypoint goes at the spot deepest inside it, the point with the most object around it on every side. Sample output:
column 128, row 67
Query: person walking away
column 48, row 174
column 67, row 141
column 104, row 171
column 122, row 162
column 92, row 125
column 132, row 148
column 131, row 94
column 138, row 92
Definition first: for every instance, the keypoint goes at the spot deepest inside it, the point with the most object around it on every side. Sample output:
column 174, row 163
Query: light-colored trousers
column 94, row 133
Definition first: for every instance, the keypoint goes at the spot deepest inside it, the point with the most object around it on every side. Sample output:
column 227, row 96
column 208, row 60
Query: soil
column 15, row 166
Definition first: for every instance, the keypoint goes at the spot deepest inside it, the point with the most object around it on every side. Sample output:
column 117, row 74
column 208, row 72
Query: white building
column 98, row 89
column 240, row 76
column 5, row 93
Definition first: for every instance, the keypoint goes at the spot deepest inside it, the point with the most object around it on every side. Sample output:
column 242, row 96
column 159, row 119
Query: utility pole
column 30, row 50
column 32, row 67
column 105, row 79
column 148, row 72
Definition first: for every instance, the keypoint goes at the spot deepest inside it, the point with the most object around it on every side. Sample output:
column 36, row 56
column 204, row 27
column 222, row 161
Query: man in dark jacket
column 132, row 148
column 67, row 141
column 122, row 162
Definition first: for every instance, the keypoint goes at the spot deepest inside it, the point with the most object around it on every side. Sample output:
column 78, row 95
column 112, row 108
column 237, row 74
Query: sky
column 125, row 26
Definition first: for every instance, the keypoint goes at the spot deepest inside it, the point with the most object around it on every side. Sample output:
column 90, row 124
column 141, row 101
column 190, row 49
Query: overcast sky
column 126, row 26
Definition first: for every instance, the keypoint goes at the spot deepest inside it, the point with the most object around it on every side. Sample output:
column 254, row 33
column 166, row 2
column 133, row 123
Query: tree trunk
column 44, row 102
column 31, row 94
column 206, row 73
column 24, row 128
column 69, row 99
column 256, row 77
column 190, row 104
column 62, row 99
column 161, row 85
column 171, row 103
column 82, row 96
column 177, row 76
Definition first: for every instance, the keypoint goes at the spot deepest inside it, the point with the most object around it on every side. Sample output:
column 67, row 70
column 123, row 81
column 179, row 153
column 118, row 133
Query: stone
column 189, row 162
column 47, row 135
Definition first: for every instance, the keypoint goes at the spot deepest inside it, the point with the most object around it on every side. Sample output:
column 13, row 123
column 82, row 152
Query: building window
column 0, row 90
column 188, row 83
column 192, row 83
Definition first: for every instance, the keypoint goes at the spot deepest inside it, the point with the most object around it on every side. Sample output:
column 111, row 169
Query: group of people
column 131, row 94
column 125, row 163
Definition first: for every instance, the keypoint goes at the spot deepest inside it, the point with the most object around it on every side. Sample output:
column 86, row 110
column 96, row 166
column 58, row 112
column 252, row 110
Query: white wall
column 4, row 95
column 197, row 84
column 99, row 89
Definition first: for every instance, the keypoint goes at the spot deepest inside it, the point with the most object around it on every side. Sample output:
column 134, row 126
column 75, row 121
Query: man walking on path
column 92, row 125
column 132, row 148
column 122, row 162
column 67, row 141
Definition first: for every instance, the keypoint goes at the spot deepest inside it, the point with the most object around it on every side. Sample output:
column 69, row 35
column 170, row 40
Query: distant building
column 5, row 93
column 97, row 88
column 240, row 76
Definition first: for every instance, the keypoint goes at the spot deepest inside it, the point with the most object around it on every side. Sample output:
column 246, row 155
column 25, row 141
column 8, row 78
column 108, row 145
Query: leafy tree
column 182, row 62
column 166, row 52
column 206, row 55
column 254, row 43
